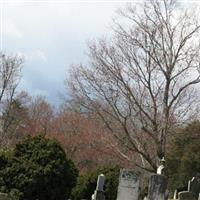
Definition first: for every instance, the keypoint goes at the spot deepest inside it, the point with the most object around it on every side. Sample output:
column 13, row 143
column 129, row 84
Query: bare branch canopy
column 142, row 81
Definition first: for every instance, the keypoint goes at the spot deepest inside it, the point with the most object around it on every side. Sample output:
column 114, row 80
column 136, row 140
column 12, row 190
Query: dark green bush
column 40, row 170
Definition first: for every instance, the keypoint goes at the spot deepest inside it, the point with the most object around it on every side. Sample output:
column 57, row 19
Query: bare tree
column 141, row 82
column 40, row 116
column 14, row 118
column 10, row 74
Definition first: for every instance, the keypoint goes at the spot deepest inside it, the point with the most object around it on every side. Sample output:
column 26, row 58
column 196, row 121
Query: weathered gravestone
column 128, row 188
column 99, row 192
column 157, row 187
column 194, row 186
column 193, row 190
column 4, row 196
column 185, row 195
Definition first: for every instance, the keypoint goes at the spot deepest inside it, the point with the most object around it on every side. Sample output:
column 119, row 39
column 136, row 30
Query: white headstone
column 175, row 194
column 128, row 188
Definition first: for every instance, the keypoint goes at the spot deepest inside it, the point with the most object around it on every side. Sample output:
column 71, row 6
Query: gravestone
column 175, row 194
column 185, row 195
column 128, row 188
column 100, row 182
column 4, row 196
column 157, row 187
column 99, row 192
column 194, row 186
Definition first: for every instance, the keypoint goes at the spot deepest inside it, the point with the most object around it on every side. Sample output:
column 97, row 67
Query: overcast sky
column 52, row 35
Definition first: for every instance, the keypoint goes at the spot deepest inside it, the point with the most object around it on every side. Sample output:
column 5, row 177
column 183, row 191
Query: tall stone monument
column 158, row 184
column 157, row 187
column 99, row 192
column 128, row 188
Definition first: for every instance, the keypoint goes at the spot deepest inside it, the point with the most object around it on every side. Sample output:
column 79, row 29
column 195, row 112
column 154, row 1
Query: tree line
column 38, row 168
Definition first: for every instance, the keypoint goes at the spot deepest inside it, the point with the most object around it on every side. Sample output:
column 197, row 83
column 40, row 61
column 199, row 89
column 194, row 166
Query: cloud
column 35, row 55
column 38, row 55
column 39, row 92
column 52, row 39
column 11, row 30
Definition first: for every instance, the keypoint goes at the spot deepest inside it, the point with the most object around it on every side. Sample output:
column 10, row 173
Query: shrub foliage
column 38, row 169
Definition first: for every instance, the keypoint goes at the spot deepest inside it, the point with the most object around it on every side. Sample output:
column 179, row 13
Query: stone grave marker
column 4, row 196
column 157, row 187
column 175, row 194
column 128, row 188
column 99, row 192
column 194, row 186
column 100, row 182
column 185, row 195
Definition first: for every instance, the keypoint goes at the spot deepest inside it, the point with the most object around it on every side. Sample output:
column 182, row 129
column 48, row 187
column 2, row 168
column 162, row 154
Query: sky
column 52, row 35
